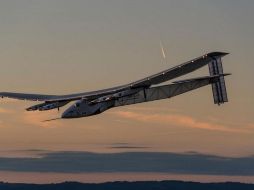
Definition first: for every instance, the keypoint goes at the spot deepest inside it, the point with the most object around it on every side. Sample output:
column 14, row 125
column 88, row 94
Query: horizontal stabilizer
column 214, row 77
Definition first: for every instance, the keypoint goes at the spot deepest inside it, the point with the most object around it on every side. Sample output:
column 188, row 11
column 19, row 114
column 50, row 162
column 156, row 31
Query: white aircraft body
column 144, row 90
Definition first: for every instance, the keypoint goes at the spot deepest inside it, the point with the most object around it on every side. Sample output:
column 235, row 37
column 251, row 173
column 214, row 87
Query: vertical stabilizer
column 219, row 88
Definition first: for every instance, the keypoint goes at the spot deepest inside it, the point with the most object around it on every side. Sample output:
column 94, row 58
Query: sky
column 61, row 47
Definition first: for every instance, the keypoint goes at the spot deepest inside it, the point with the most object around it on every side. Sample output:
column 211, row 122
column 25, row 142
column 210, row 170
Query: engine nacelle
column 47, row 106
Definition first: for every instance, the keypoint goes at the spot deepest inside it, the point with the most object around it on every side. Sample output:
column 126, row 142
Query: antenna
column 48, row 120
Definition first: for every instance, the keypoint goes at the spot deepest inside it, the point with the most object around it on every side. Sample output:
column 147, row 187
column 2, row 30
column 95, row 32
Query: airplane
column 141, row 91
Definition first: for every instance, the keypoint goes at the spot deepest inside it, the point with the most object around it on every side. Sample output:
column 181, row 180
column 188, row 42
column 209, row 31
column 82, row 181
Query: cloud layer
column 86, row 162
column 174, row 119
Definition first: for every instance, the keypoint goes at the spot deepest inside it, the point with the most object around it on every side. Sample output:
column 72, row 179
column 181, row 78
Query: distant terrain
column 146, row 185
column 162, row 162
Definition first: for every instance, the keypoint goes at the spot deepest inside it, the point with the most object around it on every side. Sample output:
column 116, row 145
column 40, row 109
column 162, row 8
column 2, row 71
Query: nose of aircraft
column 65, row 114
column 69, row 113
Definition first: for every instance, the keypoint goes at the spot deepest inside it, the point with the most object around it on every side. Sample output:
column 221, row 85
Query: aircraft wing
column 55, row 98
column 21, row 96
column 177, row 71
column 158, row 78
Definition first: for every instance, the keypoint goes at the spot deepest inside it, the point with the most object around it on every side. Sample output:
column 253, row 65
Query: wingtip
column 225, row 53
column 227, row 74
column 217, row 54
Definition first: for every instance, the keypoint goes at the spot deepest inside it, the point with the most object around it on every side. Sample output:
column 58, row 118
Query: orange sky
column 59, row 47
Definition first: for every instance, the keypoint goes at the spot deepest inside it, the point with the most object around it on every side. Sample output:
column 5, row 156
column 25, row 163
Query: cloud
column 250, row 126
column 6, row 111
column 162, row 162
column 124, row 145
column 174, row 119
column 6, row 100
column 129, row 147
column 152, row 109
column 38, row 118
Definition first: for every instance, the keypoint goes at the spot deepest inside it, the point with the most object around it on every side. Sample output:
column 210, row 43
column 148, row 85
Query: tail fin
column 219, row 88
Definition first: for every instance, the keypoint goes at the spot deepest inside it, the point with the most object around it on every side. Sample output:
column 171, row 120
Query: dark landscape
column 146, row 185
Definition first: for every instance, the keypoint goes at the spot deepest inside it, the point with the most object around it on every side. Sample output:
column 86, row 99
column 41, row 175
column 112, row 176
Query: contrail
column 162, row 50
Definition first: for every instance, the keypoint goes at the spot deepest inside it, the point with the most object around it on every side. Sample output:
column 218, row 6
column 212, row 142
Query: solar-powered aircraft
column 141, row 91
